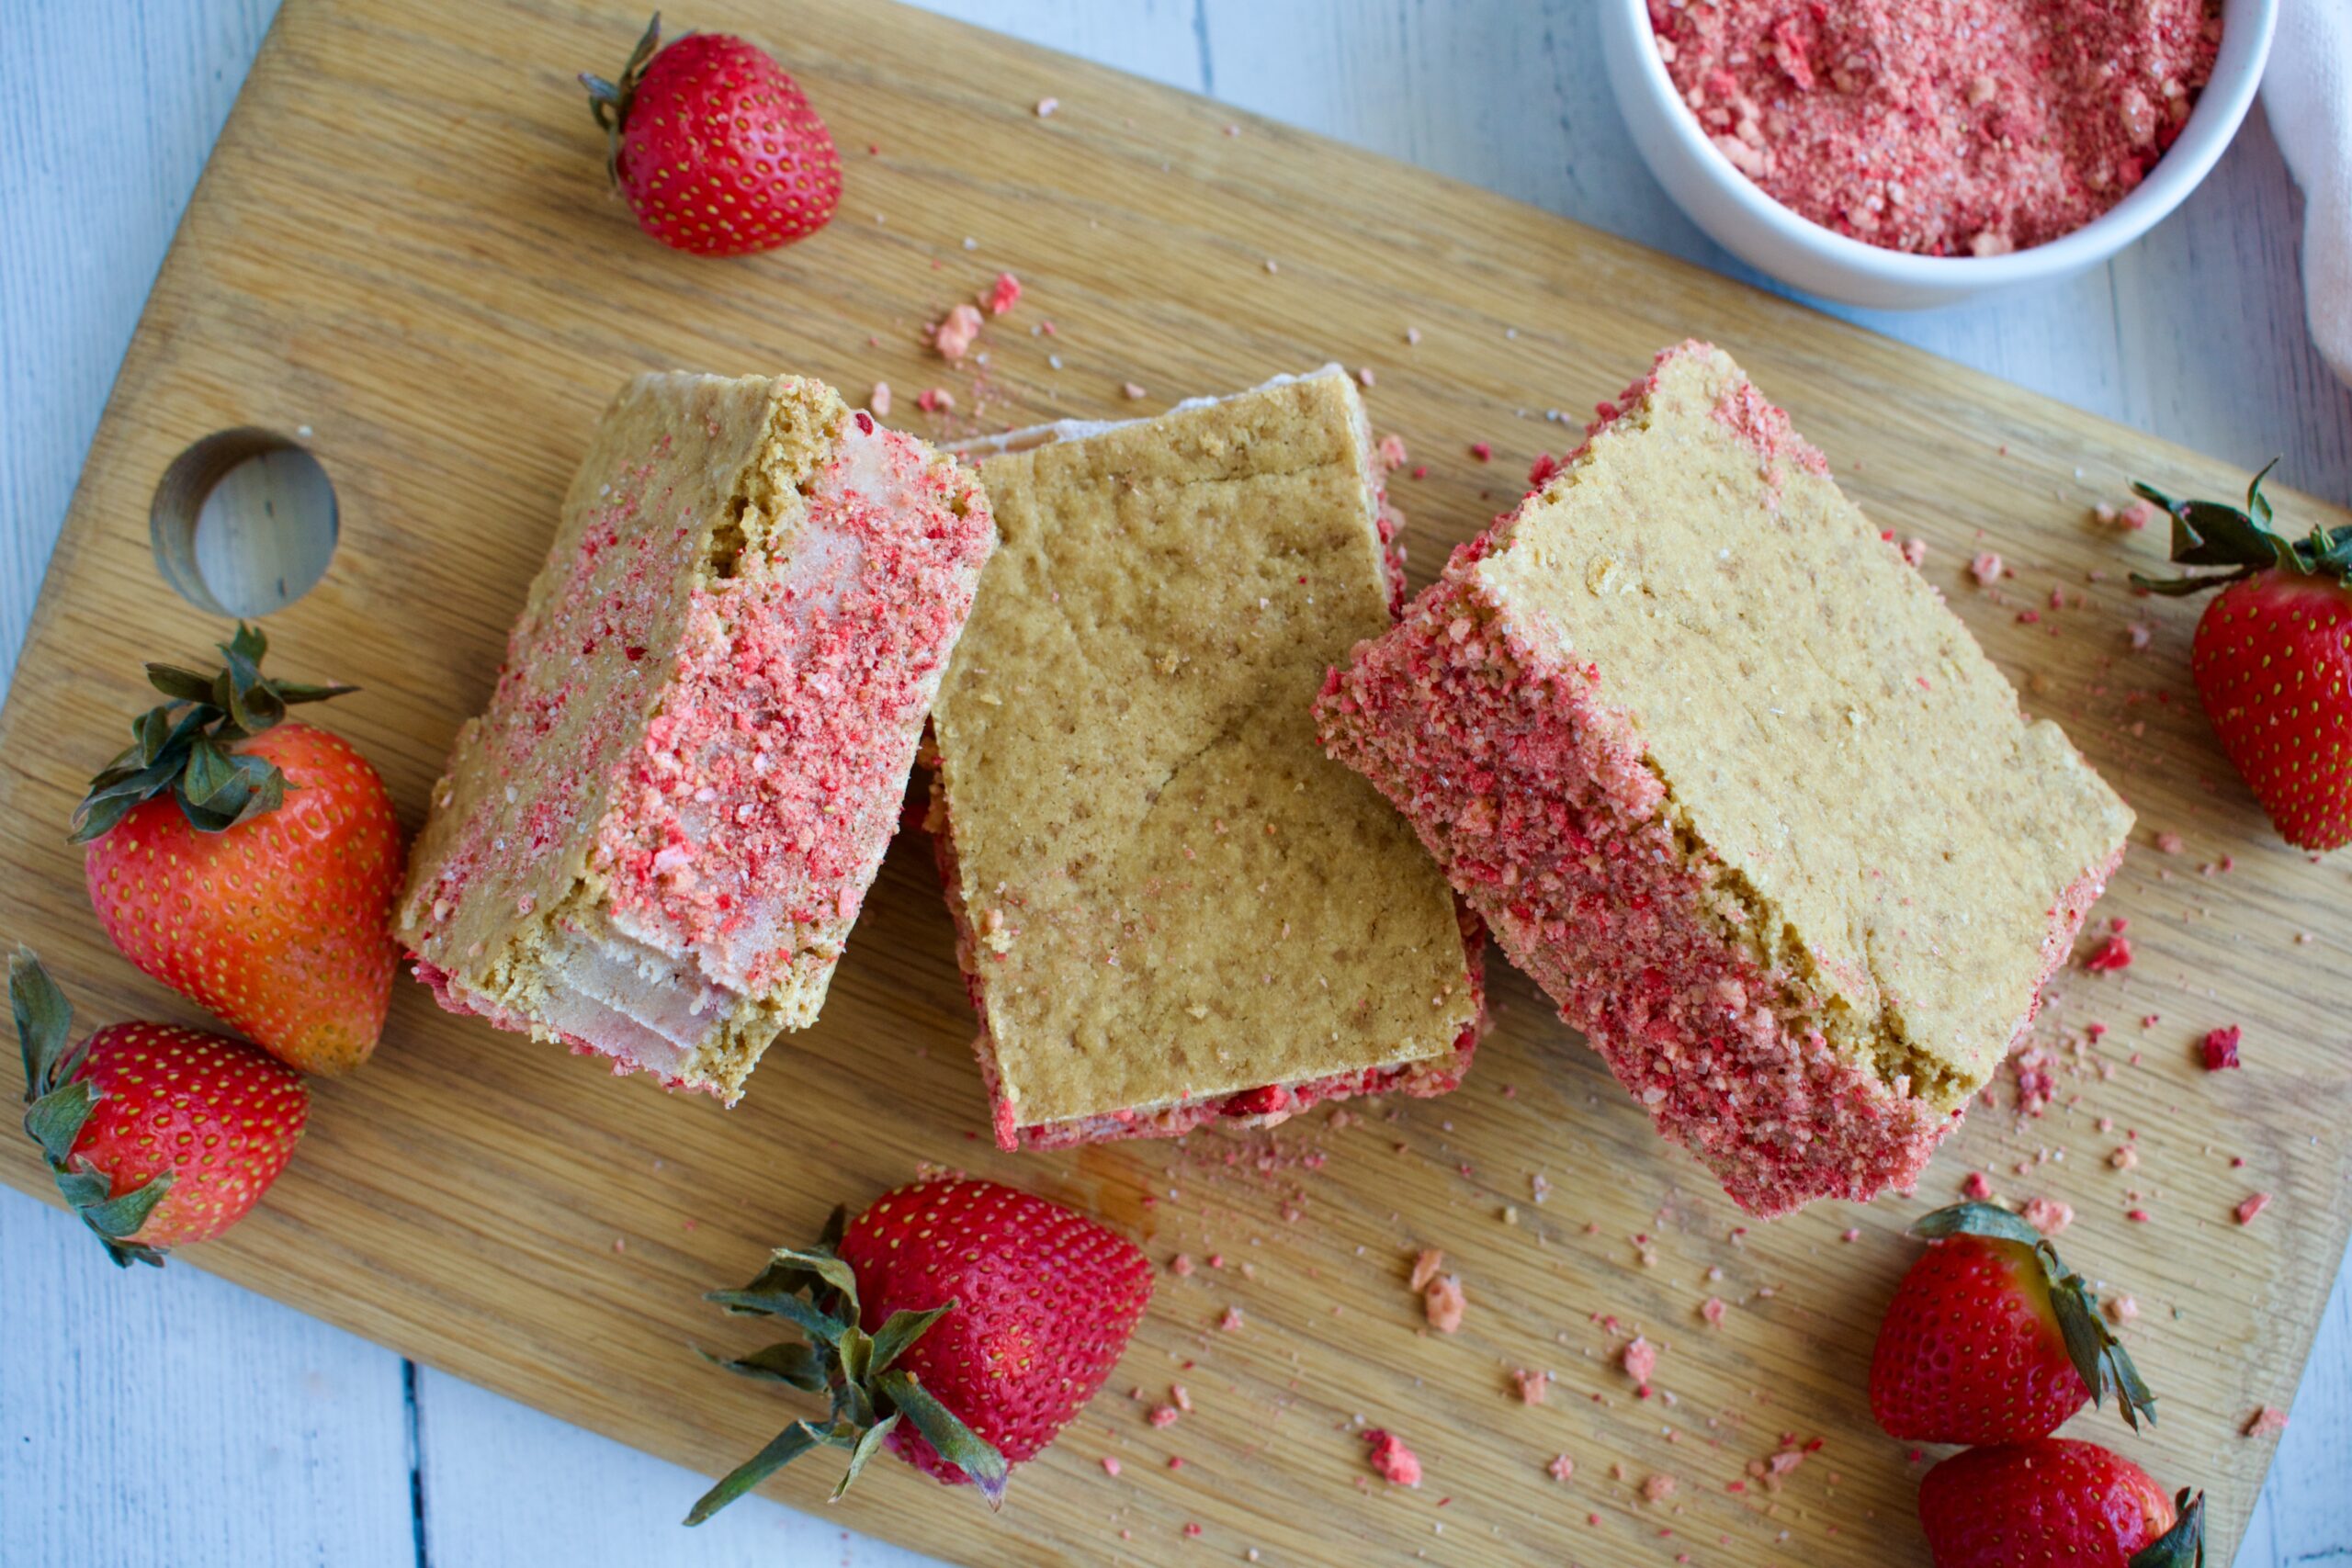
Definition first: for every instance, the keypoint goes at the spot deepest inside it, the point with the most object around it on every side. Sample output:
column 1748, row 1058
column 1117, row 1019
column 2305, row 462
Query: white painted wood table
column 172, row 1418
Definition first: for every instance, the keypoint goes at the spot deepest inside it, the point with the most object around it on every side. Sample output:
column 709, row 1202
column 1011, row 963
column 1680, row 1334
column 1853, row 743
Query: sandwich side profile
column 1725, row 776
column 653, row 842
column 1170, row 906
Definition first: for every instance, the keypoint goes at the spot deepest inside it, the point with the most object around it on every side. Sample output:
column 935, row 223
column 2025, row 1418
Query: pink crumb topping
column 1427, row 1263
column 1659, row 1488
column 750, row 821
column 2121, row 1310
column 1562, row 1468
column 1530, row 1386
column 2220, row 1048
column 1977, row 1188
column 1004, row 294
column 1392, row 1460
column 1713, row 1310
column 1985, row 569
column 1964, row 127
column 1640, row 1361
column 2254, row 1204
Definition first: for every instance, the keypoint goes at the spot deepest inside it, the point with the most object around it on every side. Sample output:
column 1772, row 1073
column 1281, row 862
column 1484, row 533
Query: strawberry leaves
column 2215, row 534
column 815, row 1291
column 187, row 746
column 2099, row 1357
column 2183, row 1546
column 58, row 1104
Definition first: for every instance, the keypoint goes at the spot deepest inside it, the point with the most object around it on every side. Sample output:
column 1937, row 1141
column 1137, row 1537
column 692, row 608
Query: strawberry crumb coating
column 1171, row 907
column 1723, row 775
column 1942, row 127
column 653, row 842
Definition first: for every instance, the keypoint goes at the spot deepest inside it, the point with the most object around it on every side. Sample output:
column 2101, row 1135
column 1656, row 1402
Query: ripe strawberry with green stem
column 959, row 1322
column 250, row 861
column 2053, row 1501
column 1991, row 1340
column 715, row 146
column 156, row 1134
column 2272, row 657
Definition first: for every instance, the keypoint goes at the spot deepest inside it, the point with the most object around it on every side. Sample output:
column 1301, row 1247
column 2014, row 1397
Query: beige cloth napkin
column 2307, row 95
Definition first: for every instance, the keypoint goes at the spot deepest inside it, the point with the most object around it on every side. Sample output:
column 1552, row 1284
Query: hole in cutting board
column 244, row 523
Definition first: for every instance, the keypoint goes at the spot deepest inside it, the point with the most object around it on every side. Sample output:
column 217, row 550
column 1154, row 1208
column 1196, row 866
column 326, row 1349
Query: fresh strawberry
column 715, row 147
column 2053, row 1501
column 158, row 1134
column 249, row 862
column 959, row 1322
column 1990, row 1339
column 2273, row 656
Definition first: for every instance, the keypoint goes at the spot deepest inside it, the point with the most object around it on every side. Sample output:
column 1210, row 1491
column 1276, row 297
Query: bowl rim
column 2247, row 27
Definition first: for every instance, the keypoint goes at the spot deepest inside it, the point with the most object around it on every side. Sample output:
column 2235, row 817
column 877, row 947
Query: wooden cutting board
column 403, row 253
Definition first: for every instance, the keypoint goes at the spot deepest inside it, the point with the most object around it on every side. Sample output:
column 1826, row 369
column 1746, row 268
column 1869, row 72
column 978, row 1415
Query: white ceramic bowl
column 1801, row 253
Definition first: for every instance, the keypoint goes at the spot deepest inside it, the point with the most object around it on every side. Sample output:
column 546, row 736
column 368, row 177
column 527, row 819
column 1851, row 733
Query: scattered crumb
column 879, row 400
column 1977, row 1188
column 2113, row 954
column 2268, row 1421
column 1916, row 551
column 1640, row 1361
column 1390, row 1460
column 1004, row 294
column 1163, row 1415
column 2121, row 1310
column 2221, row 1048
column 1392, row 452
column 1180, row 1265
column 2048, row 1216
column 2124, row 1158
column 1659, row 1488
column 1045, row 107
column 1131, row 391
column 1985, row 569
column 1713, row 1309
column 935, row 400
column 2254, row 1204
column 1530, row 1385
column 954, row 336
column 1110, row 1464
column 1562, row 1468
column 1444, row 1303
column 1231, row 1322
column 1482, row 450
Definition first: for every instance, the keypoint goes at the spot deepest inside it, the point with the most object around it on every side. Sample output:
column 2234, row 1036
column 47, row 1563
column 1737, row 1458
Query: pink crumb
column 2048, row 1216
column 1914, row 551
column 1003, row 294
column 1133, row 391
column 2139, row 515
column 2268, row 1421
column 1562, row 1468
column 1110, row 1464
column 2254, row 1204
column 1659, row 1488
column 1977, row 1188
column 1045, row 107
column 934, row 400
column 1985, row 569
column 879, row 400
column 1180, row 1265
column 1444, row 1303
column 1541, row 471
column 2113, row 954
column 1482, row 450
column 1231, row 1322
column 2122, row 1310
column 1427, row 1263
column 1713, row 1310
column 1392, row 1460
column 2169, row 843
column 1640, row 1359
column 954, row 337
column 1530, row 1385
column 1163, row 1415
column 2124, row 1158
column 1392, row 452
column 2221, row 1048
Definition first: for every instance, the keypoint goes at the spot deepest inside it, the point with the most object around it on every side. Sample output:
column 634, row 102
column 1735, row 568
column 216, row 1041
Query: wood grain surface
column 446, row 329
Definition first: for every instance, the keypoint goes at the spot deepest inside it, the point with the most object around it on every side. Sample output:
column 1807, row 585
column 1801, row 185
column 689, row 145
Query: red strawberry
column 2273, row 657
column 715, row 147
column 959, row 1322
column 2054, row 1501
column 250, row 863
column 1989, row 1339
column 158, row 1134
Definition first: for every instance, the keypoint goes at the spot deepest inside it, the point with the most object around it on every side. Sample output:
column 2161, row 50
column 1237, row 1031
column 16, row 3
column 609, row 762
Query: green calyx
column 2242, row 540
column 610, row 101
column 58, row 1103
column 2101, row 1359
column 182, row 746
column 2183, row 1546
column 814, row 1291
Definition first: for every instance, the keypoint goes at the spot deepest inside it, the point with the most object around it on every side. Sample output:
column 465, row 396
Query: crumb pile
column 1942, row 127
